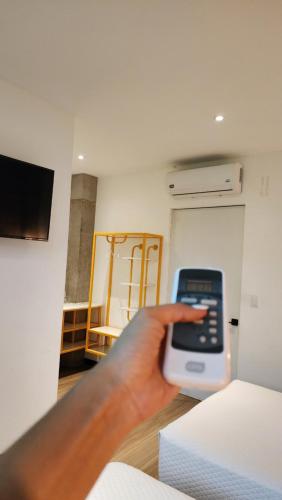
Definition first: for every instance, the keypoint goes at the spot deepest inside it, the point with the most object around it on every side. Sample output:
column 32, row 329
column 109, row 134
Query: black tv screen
column 25, row 199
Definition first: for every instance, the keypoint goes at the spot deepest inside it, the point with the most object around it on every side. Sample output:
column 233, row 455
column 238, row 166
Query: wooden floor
column 140, row 448
column 66, row 383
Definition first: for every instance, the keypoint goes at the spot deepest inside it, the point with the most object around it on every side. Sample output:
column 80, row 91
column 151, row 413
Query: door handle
column 234, row 322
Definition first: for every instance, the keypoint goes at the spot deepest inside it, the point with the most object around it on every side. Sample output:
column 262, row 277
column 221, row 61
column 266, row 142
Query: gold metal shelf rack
column 139, row 255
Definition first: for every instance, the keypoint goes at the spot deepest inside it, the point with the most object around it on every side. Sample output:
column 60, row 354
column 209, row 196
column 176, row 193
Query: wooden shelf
column 70, row 327
column 75, row 325
column 107, row 331
column 79, row 306
column 73, row 346
column 101, row 350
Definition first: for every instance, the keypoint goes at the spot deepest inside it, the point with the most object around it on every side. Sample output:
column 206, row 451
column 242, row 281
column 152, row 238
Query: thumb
column 175, row 313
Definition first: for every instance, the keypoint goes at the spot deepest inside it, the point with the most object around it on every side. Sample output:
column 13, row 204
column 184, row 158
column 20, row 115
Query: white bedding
column 121, row 482
column 227, row 447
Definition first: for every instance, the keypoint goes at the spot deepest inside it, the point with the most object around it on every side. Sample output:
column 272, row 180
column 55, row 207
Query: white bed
column 121, row 482
column 227, row 447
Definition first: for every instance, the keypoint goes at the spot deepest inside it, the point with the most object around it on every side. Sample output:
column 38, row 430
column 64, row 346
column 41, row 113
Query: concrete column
column 81, row 227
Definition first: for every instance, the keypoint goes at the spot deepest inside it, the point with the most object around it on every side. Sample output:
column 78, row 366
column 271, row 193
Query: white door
column 212, row 237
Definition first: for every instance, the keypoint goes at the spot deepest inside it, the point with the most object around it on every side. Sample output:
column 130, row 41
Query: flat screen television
column 25, row 199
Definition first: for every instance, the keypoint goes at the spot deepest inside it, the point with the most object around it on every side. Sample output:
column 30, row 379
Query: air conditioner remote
column 198, row 354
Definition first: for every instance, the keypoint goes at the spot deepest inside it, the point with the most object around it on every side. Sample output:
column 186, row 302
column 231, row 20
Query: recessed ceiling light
column 219, row 118
column 80, row 157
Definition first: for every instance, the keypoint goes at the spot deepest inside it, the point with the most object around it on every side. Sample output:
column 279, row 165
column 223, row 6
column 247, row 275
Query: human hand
column 64, row 453
column 135, row 360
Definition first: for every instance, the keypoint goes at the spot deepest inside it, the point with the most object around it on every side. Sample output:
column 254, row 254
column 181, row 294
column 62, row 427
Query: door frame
column 169, row 278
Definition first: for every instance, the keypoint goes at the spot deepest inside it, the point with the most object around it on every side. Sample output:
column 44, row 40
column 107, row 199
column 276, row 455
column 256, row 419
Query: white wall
column 140, row 202
column 32, row 274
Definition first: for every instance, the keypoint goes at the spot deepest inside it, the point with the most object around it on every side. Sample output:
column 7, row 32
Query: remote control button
column 209, row 302
column 213, row 322
column 195, row 366
column 200, row 322
column 213, row 314
column 214, row 340
column 202, row 339
column 200, row 306
column 213, row 331
column 188, row 300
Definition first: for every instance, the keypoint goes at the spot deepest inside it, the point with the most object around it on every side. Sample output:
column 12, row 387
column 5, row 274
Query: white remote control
column 198, row 354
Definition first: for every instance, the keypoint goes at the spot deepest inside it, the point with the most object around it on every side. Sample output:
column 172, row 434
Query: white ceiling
column 144, row 78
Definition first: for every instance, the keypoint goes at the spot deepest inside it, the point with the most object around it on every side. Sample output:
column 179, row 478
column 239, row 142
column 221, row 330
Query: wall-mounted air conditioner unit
column 217, row 180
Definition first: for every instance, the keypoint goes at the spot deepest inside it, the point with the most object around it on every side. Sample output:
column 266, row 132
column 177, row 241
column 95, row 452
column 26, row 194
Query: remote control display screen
column 197, row 288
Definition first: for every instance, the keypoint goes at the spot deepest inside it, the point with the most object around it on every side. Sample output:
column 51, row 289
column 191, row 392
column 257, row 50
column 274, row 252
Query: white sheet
column 119, row 481
column 229, row 446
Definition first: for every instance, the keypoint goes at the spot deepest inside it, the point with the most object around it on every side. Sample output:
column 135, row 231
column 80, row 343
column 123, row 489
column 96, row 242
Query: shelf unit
column 142, row 251
column 99, row 351
column 74, row 325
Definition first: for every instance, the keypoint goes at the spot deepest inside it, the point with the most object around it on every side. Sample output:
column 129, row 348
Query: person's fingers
column 175, row 313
